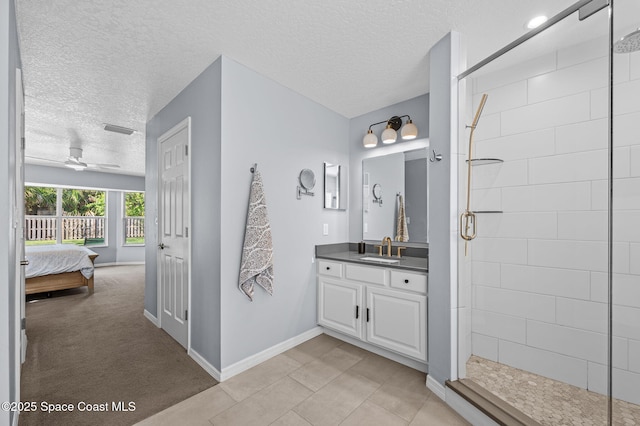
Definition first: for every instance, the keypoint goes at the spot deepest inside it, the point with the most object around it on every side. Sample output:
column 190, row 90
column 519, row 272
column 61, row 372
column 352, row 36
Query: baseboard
column 148, row 315
column 100, row 265
column 436, row 387
column 409, row 362
column 205, row 365
column 268, row 353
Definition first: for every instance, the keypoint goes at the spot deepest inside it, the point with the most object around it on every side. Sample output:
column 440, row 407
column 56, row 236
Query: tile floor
column 548, row 401
column 323, row 381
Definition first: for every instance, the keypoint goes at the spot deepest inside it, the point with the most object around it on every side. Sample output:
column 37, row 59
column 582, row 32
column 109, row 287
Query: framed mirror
column 388, row 181
column 335, row 187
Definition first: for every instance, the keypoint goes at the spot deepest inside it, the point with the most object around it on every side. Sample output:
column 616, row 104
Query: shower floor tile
column 548, row 401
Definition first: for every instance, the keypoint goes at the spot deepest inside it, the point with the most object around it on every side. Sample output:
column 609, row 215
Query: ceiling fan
column 74, row 161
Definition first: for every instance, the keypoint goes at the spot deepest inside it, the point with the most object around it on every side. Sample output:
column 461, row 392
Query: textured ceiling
column 91, row 62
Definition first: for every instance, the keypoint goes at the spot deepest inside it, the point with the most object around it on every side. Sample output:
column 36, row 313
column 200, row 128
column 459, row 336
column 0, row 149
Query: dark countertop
column 416, row 260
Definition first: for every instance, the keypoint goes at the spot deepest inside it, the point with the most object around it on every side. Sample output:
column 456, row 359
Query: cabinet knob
column 328, row 268
column 406, row 281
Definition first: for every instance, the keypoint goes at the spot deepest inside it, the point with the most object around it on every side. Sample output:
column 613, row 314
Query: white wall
column 283, row 132
column 539, row 269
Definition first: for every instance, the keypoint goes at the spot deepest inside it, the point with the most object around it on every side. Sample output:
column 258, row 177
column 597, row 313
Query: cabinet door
column 397, row 321
column 340, row 306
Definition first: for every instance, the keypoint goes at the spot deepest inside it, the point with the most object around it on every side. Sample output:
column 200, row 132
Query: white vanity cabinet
column 386, row 307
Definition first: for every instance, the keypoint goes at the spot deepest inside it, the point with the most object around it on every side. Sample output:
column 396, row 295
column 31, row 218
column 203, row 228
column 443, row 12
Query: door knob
column 162, row 246
column 24, row 262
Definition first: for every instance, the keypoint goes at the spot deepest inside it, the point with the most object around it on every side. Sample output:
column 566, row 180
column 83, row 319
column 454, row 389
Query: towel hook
column 254, row 168
column 435, row 157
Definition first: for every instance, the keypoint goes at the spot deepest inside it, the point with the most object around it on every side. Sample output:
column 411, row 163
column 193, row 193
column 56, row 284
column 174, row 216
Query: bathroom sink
column 380, row 259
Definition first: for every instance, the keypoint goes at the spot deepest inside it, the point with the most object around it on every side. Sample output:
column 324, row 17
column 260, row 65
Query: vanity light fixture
column 389, row 134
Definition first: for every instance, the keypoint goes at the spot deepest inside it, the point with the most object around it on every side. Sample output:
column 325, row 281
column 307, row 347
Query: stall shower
column 549, row 291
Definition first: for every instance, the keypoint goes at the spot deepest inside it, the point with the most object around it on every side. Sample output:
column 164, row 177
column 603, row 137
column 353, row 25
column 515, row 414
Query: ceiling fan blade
column 44, row 159
column 103, row 166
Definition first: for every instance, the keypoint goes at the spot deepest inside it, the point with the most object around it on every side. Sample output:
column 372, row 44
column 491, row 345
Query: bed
column 58, row 267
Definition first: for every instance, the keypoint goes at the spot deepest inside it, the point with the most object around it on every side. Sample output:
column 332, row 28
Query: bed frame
column 53, row 282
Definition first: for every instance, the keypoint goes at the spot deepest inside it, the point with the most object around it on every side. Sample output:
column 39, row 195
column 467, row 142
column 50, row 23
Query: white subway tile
column 503, row 98
column 532, row 198
column 499, row 250
column 635, row 161
column 499, row 326
column 625, row 226
column 626, row 322
column 542, row 115
column 584, row 136
column 598, row 377
column 574, row 167
column 519, row 146
column 568, row 341
column 590, row 316
column 548, row 364
column 599, row 195
column 626, row 291
column 568, row 81
column 484, row 346
column 634, row 254
column 621, row 68
column 599, row 103
column 634, row 355
column 626, row 385
column 515, row 303
column 583, row 52
column 488, row 128
column 583, row 225
column 626, row 97
column 599, row 287
column 485, row 199
column 498, row 175
column 551, row 281
column 519, row 72
column 625, row 129
column 541, row 225
column 582, row 255
column 634, row 66
column 626, row 194
column 621, row 162
column 485, row 273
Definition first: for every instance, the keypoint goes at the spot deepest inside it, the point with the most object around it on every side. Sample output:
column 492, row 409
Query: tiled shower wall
column 538, row 270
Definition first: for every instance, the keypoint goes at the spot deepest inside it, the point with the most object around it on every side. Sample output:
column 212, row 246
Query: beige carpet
column 100, row 349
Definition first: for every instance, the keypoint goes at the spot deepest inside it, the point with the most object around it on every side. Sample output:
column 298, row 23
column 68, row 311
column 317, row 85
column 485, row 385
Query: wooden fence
column 134, row 227
column 73, row 227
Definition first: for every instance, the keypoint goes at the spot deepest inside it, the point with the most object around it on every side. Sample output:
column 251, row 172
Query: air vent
column 118, row 129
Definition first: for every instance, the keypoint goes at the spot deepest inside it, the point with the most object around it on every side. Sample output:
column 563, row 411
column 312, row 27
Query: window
column 70, row 216
column 133, row 218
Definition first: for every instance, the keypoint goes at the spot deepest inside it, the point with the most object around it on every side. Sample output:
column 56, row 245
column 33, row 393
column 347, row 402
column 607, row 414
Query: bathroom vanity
column 379, row 301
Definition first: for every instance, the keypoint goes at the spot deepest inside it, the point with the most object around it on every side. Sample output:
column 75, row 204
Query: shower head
column 629, row 43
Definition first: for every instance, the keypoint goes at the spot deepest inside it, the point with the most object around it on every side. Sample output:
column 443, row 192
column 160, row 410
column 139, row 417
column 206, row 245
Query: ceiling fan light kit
column 118, row 129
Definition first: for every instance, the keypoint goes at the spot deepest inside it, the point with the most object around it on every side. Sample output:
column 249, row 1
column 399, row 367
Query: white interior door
column 21, row 336
column 173, row 232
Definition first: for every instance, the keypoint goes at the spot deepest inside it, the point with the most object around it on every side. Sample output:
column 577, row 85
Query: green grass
column 136, row 240
column 46, row 242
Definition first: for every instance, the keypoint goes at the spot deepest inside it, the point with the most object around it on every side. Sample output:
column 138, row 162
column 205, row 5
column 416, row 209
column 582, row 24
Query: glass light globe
column 389, row 135
column 409, row 131
column 370, row 139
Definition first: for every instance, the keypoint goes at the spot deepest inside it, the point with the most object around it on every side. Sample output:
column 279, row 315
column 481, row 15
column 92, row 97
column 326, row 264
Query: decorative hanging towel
column 257, row 250
column 402, row 233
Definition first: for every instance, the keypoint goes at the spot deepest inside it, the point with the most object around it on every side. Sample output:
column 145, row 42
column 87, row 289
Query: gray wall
column 284, row 132
column 114, row 183
column 200, row 100
column 9, row 61
column 418, row 109
column 442, row 202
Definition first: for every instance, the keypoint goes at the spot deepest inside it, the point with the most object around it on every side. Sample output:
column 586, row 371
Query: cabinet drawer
column 368, row 274
column 332, row 269
column 409, row 281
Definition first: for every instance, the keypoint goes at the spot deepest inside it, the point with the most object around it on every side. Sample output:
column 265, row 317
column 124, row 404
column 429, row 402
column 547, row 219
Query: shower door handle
column 467, row 224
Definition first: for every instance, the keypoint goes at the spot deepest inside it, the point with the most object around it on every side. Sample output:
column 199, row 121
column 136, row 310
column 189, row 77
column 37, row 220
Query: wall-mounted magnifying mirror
column 335, row 187
column 377, row 194
column 307, row 181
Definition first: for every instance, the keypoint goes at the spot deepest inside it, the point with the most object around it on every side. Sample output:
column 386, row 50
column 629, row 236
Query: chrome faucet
column 387, row 241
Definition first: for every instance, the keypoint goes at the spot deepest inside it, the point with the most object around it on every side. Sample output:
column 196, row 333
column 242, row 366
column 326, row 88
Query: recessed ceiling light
column 536, row 22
